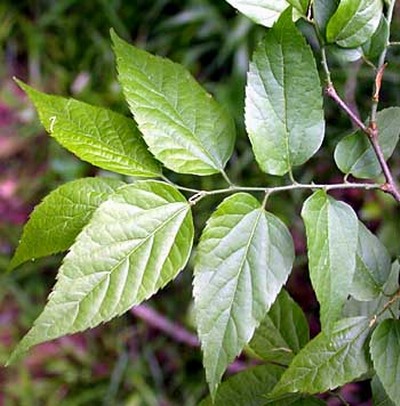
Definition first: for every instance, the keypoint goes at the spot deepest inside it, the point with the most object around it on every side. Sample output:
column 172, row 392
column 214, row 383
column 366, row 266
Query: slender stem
column 394, row 43
column 226, row 177
column 387, row 306
column 325, row 65
column 270, row 190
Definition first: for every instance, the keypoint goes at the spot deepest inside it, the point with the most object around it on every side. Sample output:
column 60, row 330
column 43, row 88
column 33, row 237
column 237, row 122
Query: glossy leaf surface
column 96, row 135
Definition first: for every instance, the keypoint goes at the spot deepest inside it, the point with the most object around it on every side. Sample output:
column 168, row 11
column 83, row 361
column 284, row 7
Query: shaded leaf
column 373, row 266
column 379, row 396
column 332, row 232
column 135, row 243
column 328, row 361
column 385, row 353
column 284, row 116
column 374, row 47
column 373, row 307
column 282, row 333
column 96, row 135
column 354, row 22
column 323, row 10
column 354, row 153
column 55, row 223
column 184, row 127
column 244, row 257
column 299, row 5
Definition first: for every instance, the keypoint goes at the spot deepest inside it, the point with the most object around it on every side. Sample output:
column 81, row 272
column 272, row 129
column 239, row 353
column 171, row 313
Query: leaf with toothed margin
column 55, row 223
column 184, row 127
column 136, row 242
column 96, row 135
column 283, row 113
column 244, row 257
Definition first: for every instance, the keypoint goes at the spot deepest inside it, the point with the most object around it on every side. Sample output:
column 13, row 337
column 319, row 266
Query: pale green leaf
column 354, row 154
column 184, row 127
column 328, row 361
column 282, row 333
column 96, row 135
column 332, row 232
column 55, row 223
column 373, row 266
column 135, row 243
column 379, row 396
column 264, row 12
column 284, row 116
column 244, row 257
column 385, row 353
column 354, row 22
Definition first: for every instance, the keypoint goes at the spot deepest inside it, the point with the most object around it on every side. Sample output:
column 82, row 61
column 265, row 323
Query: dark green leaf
column 264, row 12
column 247, row 388
column 184, row 127
column 355, row 155
column 135, row 243
column 379, row 396
column 323, row 10
column 284, row 116
column 328, row 361
column 300, row 5
column 96, row 135
column 378, row 42
column 282, row 333
column 332, row 232
column 244, row 257
column 373, row 266
column 354, row 22
column 55, row 223
column 385, row 353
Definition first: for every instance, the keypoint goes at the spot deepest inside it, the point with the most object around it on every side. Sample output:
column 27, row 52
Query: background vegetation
column 64, row 47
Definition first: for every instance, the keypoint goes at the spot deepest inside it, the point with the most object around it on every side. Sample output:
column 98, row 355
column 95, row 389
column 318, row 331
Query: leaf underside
column 244, row 257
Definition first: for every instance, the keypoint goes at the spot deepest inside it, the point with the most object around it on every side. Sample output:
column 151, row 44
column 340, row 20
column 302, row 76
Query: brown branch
column 372, row 132
column 177, row 332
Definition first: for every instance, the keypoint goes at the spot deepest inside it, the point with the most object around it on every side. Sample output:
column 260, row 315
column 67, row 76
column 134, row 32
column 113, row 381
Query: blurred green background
column 63, row 47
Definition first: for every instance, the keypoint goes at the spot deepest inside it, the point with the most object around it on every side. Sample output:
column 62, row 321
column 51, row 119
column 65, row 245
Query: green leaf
column 378, row 42
column 323, row 10
column 385, row 353
column 299, row 5
column 328, row 361
column 373, row 266
column 244, row 257
column 247, row 388
column 379, row 396
column 284, row 116
column 354, row 22
column 282, row 333
column 96, row 135
column 184, row 127
column 55, row 223
column 135, row 243
column 373, row 307
column 354, row 154
column 264, row 12
column 332, row 232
